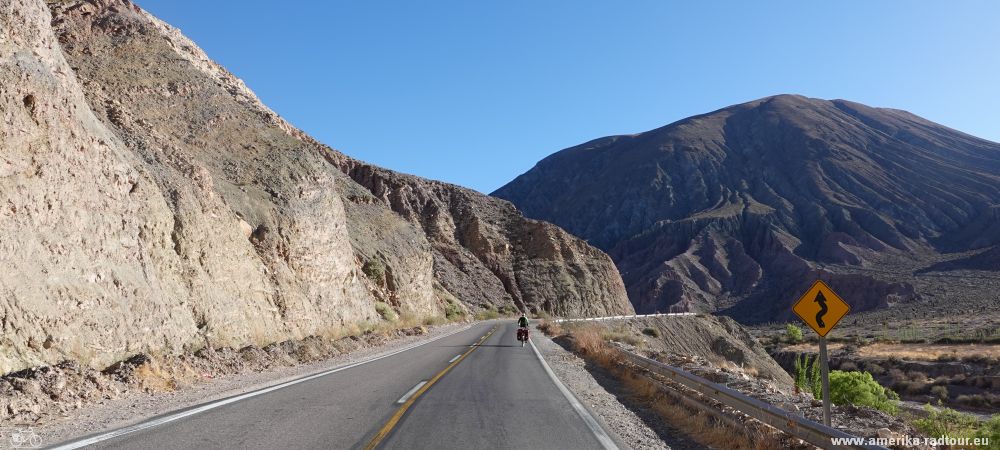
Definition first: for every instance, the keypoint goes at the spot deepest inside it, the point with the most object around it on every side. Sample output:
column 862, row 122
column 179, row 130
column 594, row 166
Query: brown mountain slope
column 152, row 203
column 745, row 204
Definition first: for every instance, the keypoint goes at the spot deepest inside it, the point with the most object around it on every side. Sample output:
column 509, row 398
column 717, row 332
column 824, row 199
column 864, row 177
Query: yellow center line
column 394, row 420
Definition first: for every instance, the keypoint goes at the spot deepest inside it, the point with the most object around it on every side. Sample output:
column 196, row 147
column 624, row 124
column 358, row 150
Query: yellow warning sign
column 821, row 308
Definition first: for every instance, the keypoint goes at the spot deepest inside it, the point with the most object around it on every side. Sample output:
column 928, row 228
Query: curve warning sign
column 821, row 308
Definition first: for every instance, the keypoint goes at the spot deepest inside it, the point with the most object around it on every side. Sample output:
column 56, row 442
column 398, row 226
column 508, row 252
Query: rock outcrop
column 484, row 250
column 739, row 209
column 150, row 203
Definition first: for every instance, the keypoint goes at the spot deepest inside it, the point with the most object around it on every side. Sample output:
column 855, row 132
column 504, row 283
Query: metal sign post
column 822, row 309
column 824, row 372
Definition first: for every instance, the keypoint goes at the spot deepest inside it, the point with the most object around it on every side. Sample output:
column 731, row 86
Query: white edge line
column 453, row 359
column 588, row 419
column 410, row 392
column 205, row 407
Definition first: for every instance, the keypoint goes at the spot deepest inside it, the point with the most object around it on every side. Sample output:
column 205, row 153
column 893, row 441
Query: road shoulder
column 624, row 426
column 136, row 407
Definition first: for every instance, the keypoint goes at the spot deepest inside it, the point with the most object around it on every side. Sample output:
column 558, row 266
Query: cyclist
column 522, row 329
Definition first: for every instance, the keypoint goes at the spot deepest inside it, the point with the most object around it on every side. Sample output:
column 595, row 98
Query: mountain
column 739, row 209
column 151, row 203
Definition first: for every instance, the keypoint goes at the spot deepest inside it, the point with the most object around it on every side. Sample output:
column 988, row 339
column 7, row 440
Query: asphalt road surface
column 474, row 389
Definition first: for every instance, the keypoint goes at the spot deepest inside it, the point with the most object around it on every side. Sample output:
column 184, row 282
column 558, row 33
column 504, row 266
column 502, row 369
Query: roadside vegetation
column 592, row 343
column 492, row 312
column 487, row 314
column 383, row 309
column 875, row 371
column 953, row 424
column 793, row 334
column 846, row 387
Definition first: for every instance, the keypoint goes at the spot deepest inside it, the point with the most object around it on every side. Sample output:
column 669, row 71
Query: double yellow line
column 394, row 420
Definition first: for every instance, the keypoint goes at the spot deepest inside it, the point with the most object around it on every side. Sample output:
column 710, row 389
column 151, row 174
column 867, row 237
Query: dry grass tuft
column 931, row 352
column 590, row 342
column 915, row 351
column 434, row 320
column 551, row 328
column 153, row 377
column 700, row 426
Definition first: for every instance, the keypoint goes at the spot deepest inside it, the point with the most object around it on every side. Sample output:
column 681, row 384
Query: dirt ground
column 915, row 352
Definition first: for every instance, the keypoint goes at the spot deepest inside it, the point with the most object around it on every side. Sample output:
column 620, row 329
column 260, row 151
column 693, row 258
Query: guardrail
column 795, row 425
column 634, row 316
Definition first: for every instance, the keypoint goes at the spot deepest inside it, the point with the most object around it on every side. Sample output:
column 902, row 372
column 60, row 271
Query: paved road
column 488, row 393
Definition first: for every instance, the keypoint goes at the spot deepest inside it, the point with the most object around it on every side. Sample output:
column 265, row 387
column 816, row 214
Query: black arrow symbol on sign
column 822, row 309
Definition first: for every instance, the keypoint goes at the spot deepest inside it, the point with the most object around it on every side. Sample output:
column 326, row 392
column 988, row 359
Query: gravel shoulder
column 135, row 407
column 595, row 391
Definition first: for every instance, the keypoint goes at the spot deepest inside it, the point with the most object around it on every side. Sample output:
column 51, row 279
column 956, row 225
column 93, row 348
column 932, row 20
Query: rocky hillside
column 150, row 202
column 714, row 339
column 738, row 209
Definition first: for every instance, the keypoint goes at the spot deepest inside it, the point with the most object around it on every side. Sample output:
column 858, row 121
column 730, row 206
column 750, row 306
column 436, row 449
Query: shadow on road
column 670, row 435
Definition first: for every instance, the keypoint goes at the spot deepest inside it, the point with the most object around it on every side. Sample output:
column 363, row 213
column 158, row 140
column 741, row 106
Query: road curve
column 476, row 393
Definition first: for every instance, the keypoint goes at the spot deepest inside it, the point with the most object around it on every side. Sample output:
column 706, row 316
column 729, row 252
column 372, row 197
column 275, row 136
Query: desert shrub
column 487, row 314
column 622, row 336
column 897, row 375
column 859, row 388
column 383, row 309
column 407, row 319
column 875, row 369
column 508, row 310
column 977, row 358
column 990, row 429
column 452, row 311
column 793, row 333
column 550, row 328
column 375, row 271
column 650, row 331
column 940, row 392
column 590, row 342
column 976, row 401
column 913, row 387
column 801, row 367
column 365, row 326
column 848, row 366
column 807, row 375
column 154, row 378
column 946, row 357
column 433, row 320
column 815, row 382
column 946, row 422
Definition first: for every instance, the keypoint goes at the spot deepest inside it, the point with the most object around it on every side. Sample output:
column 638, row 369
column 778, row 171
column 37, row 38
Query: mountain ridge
column 724, row 204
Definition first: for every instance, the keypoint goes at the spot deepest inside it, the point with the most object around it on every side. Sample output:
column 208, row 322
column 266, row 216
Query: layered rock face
column 485, row 251
column 150, row 202
column 739, row 209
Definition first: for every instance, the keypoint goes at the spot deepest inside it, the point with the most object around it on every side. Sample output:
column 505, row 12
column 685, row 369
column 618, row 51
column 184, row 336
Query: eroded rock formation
column 150, row 202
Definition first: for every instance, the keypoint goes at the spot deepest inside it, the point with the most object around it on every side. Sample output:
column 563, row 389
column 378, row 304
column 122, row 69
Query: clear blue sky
column 475, row 92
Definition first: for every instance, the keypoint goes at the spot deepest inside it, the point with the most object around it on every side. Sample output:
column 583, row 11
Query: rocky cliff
column 150, row 202
column 739, row 209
